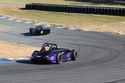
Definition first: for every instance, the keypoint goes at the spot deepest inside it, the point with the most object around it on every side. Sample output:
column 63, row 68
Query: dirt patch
column 9, row 8
column 115, row 28
column 11, row 50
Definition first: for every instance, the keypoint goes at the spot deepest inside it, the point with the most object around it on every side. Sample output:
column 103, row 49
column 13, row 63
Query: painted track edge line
column 3, row 60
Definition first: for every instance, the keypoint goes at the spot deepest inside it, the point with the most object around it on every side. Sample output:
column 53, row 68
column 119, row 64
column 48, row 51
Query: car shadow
column 29, row 34
column 24, row 61
column 30, row 62
column 25, row 9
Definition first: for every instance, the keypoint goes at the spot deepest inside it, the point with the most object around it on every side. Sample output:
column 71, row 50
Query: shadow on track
column 29, row 34
column 30, row 62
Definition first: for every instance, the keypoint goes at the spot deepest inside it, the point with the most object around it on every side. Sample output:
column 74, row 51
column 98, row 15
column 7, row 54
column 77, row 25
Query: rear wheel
column 74, row 55
column 59, row 59
column 47, row 31
column 32, row 31
column 33, row 61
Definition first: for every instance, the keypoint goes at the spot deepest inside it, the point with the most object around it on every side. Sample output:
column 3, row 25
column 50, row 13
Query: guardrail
column 77, row 9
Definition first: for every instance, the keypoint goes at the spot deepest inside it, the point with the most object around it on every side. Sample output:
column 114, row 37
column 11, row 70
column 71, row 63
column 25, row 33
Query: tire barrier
column 120, row 2
column 77, row 9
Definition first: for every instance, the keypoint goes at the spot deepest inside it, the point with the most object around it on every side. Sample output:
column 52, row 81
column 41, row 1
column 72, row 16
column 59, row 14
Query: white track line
column 60, row 27
column 10, row 19
column 3, row 17
column 14, row 59
column 86, row 30
column 18, row 20
column 28, row 22
column 10, row 59
column 23, row 59
column 37, row 23
column 72, row 29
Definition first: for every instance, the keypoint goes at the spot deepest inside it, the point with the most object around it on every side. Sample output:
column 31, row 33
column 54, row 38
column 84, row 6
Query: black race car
column 40, row 29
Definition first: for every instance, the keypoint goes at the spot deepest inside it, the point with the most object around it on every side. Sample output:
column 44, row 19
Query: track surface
column 101, row 56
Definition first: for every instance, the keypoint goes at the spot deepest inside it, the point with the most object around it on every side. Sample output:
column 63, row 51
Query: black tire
column 47, row 31
column 59, row 59
column 38, row 32
column 32, row 31
column 74, row 55
column 33, row 61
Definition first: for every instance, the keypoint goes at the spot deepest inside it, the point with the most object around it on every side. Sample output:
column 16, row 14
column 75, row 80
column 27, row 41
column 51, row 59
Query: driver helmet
column 47, row 48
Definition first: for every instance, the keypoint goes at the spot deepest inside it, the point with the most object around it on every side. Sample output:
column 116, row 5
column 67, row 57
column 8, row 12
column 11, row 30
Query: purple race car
column 50, row 53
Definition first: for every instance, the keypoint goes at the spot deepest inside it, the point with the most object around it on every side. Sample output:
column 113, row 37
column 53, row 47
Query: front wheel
column 59, row 59
column 38, row 32
column 33, row 61
column 74, row 55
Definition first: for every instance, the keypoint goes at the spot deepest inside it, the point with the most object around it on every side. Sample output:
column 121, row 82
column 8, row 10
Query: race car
column 50, row 53
column 40, row 29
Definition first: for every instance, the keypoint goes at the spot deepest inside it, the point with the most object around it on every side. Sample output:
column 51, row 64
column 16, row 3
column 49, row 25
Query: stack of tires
column 77, row 9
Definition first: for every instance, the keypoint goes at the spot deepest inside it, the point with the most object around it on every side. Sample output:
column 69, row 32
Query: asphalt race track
column 101, row 56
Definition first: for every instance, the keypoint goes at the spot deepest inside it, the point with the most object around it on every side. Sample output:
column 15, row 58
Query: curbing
column 3, row 60
column 36, row 23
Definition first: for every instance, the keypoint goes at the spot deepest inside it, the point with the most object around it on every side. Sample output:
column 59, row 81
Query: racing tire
column 38, row 32
column 47, row 31
column 74, row 55
column 33, row 61
column 59, row 59
column 32, row 31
